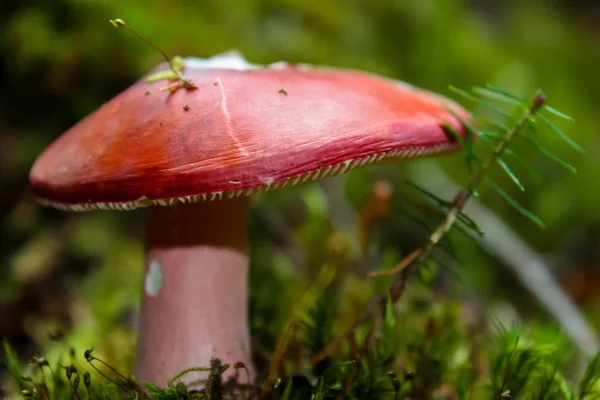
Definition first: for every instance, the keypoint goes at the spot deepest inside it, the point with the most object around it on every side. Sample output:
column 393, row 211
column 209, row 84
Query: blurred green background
column 61, row 59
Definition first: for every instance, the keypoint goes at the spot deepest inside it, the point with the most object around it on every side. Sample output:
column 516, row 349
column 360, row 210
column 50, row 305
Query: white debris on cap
column 229, row 60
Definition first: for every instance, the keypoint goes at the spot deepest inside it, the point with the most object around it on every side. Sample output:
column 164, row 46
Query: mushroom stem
column 194, row 304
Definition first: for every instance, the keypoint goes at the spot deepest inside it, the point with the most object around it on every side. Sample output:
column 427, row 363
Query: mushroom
column 196, row 156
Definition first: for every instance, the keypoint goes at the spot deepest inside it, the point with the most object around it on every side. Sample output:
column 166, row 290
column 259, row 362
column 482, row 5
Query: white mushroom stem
column 195, row 299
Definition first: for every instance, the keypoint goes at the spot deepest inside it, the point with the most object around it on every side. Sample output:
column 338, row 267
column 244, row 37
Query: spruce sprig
column 499, row 135
column 477, row 177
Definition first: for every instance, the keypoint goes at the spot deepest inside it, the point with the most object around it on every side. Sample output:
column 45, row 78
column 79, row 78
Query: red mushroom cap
column 242, row 130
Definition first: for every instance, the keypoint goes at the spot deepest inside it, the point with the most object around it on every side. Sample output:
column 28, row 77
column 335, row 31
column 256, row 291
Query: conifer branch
column 504, row 137
column 462, row 197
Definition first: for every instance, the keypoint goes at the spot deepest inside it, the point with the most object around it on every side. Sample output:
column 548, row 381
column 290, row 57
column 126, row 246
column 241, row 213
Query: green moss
column 425, row 352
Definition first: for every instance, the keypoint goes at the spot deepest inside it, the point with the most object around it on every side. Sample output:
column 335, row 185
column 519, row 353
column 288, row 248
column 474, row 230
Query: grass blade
column 13, row 365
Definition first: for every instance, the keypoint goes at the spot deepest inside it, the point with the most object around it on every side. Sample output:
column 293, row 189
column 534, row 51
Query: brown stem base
column 194, row 305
